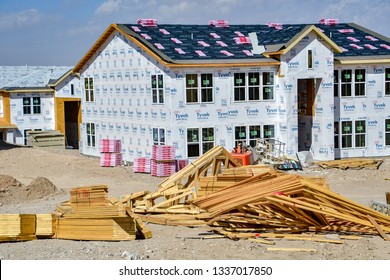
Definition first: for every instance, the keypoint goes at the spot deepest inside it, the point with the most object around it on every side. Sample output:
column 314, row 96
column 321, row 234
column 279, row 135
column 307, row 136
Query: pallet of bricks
column 110, row 152
column 163, row 161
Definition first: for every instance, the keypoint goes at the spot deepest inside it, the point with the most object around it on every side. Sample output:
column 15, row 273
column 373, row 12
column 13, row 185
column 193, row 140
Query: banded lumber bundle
column 91, row 215
column 351, row 163
column 285, row 203
column 21, row 227
column 105, row 229
column 17, row 227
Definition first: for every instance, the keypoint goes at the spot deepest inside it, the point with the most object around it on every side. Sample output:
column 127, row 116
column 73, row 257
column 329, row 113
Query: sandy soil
column 57, row 171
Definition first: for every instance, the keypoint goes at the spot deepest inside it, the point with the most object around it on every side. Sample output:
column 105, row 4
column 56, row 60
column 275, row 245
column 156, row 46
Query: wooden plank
column 293, row 249
column 378, row 228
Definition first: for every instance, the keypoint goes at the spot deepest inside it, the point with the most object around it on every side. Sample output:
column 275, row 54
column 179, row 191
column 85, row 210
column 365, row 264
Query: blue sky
column 60, row 32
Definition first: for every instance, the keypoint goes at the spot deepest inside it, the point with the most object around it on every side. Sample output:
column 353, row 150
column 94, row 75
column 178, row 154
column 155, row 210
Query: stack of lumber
column 278, row 202
column 17, row 227
column 351, row 163
column 45, row 138
column 21, row 227
column 91, row 215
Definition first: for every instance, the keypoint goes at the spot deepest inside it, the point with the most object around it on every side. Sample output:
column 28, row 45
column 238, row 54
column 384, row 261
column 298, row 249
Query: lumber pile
column 278, row 202
column 91, row 215
column 351, row 163
column 22, row 227
column 45, row 138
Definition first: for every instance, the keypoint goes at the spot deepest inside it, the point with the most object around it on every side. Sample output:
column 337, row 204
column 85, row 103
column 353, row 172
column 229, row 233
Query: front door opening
column 307, row 90
column 71, row 123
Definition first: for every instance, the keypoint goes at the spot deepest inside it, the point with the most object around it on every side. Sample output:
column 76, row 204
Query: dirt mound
column 12, row 191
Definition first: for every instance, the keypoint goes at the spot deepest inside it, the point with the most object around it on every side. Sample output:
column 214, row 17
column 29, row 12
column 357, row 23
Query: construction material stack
column 110, row 152
column 163, row 162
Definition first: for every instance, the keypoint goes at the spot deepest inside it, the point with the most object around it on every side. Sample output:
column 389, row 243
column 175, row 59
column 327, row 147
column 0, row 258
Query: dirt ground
column 44, row 176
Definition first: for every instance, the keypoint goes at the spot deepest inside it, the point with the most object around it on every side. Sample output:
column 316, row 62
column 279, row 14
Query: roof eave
column 375, row 59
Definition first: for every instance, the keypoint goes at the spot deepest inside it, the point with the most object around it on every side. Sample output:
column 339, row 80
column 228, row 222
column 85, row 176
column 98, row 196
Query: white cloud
column 19, row 19
column 108, row 7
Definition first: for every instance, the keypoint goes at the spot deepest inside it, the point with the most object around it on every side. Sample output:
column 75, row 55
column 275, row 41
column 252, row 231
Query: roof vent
column 219, row 23
column 275, row 25
column 329, row 21
column 147, row 22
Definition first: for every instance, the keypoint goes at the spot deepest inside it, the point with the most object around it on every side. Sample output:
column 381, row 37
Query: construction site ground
column 40, row 178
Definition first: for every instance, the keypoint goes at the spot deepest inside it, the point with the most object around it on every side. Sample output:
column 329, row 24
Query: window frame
column 360, row 136
column 249, row 138
column 197, row 92
column 89, row 89
column 310, row 60
column 32, row 108
column 157, row 89
column 353, row 86
column 345, row 135
column 247, row 90
column 90, row 132
column 158, row 136
column 202, row 143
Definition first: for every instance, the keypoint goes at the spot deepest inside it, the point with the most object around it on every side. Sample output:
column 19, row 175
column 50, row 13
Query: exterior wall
column 43, row 121
column 122, row 106
column 63, row 89
column 373, row 108
column 294, row 67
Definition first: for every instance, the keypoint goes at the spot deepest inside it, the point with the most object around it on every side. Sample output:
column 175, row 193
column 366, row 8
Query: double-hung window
column 360, row 82
column 158, row 136
column 157, row 89
column 346, row 83
column 268, row 85
column 253, row 86
column 353, row 134
column 249, row 134
column 353, row 82
column 199, row 88
column 336, row 135
column 88, row 87
column 360, row 134
column 199, row 141
column 91, row 135
column 31, row 105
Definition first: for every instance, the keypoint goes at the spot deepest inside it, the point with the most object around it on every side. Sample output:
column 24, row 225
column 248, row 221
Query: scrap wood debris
column 351, row 163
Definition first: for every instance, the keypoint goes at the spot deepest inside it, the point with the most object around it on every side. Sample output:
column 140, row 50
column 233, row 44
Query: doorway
column 307, row 90
column 71, row 110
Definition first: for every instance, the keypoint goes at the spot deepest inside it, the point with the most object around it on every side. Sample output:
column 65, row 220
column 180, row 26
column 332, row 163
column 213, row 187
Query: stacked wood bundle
column 17, row 227
column 278, row 202
column 91, row 215
column 351, row 163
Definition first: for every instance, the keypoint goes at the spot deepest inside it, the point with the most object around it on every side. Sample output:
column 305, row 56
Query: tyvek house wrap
column 123, row 108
